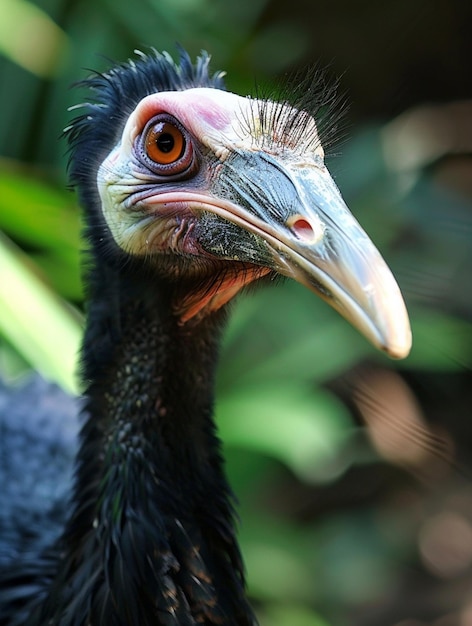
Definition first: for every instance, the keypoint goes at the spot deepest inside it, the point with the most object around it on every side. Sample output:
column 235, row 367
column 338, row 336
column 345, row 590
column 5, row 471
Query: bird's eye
column 165, row 143
column 167, row 146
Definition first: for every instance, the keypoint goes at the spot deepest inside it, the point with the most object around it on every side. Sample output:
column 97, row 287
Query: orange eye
column 165, row 143
column 166, row 148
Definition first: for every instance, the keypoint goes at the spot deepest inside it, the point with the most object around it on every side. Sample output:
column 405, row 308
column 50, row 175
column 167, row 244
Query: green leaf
column 301, row 428
column 43, row 330
column 30, row 38
column 37, row 213
column 285, row 334
column 38, row 216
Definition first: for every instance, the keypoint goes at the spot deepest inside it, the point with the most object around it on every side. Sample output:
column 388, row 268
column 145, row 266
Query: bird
column 189, row 194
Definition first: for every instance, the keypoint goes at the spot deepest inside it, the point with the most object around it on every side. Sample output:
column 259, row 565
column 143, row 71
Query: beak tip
column 398, row 351
column 399, row 346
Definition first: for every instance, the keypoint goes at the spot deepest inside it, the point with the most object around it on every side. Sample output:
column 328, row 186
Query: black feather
column 149, row 536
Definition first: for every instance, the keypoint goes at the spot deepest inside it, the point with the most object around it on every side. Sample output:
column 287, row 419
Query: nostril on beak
column 304, row 230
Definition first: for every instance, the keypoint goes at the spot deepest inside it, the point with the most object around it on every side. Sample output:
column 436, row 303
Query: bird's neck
column 152, row 379
column 152, row 509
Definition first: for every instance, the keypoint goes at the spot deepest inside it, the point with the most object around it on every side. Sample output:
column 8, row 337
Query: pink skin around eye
column 200, row 110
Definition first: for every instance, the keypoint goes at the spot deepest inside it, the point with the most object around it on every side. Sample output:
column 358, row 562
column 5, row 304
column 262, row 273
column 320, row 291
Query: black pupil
column 165, row 142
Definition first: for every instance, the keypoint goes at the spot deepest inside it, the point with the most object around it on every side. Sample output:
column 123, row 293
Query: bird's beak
column 296, row 209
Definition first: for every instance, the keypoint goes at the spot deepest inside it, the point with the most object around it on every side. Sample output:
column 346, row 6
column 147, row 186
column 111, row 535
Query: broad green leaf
column 39, row 216
column 301, row 428
column 63, row 273
column 287, row 333
column 317, row 356
column 30, row 38
column 37, row 213
column 43, row 330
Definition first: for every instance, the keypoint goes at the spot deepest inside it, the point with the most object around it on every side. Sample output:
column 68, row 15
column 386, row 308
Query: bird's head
column 215, row 190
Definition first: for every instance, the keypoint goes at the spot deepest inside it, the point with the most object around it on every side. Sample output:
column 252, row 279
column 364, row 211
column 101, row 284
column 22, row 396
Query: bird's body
column 38, row 444
column 185, row 203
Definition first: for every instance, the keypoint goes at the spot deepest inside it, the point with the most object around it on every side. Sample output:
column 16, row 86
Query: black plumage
column 38, row 438
column 148, row 535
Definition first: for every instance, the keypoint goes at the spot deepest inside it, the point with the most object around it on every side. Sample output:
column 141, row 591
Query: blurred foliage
column 325, row 534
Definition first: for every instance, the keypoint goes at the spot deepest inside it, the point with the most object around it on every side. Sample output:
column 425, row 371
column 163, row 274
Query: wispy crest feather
column 305, row 112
